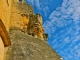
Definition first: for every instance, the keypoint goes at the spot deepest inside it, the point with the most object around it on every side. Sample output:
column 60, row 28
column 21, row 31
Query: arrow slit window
column 20, row 1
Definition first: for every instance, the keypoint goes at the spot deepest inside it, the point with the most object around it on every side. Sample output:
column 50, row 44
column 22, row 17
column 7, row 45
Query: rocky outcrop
column 26, row 47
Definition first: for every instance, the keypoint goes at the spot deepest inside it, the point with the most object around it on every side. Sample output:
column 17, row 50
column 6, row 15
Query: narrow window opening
column 7, row 3
column 20, row 1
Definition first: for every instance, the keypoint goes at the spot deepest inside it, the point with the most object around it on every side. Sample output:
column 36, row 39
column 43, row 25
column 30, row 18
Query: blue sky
column 49, row 5
column 62, row 22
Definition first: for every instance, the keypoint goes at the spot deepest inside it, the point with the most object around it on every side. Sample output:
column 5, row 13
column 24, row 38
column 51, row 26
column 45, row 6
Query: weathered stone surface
column 11, row 10
column 17, row 9
column 35, row 25
column 32, row 24
column 19, row 14
column 25, row 21
column 4, row 13
column 25, row 47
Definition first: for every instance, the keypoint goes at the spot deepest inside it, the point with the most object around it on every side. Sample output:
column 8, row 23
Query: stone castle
column 19, row 14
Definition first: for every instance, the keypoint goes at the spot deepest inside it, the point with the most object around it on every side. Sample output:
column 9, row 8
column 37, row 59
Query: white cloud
column 64, row 15
column 46, row 10
column 35, row 2
column 63, row 26
column 65, row 21
column 31, row 1
column 41, row 5
column 67, row 40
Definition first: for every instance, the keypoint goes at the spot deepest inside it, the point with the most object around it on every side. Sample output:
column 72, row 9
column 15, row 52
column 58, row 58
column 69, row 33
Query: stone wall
column 19, row 14
column 32, row 24
column 25, row 47
column 11, row 10
column 4, row 13
column 17, row 10
column 25, row 21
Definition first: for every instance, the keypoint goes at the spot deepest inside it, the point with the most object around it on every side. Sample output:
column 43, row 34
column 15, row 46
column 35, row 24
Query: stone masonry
column 19, row 14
